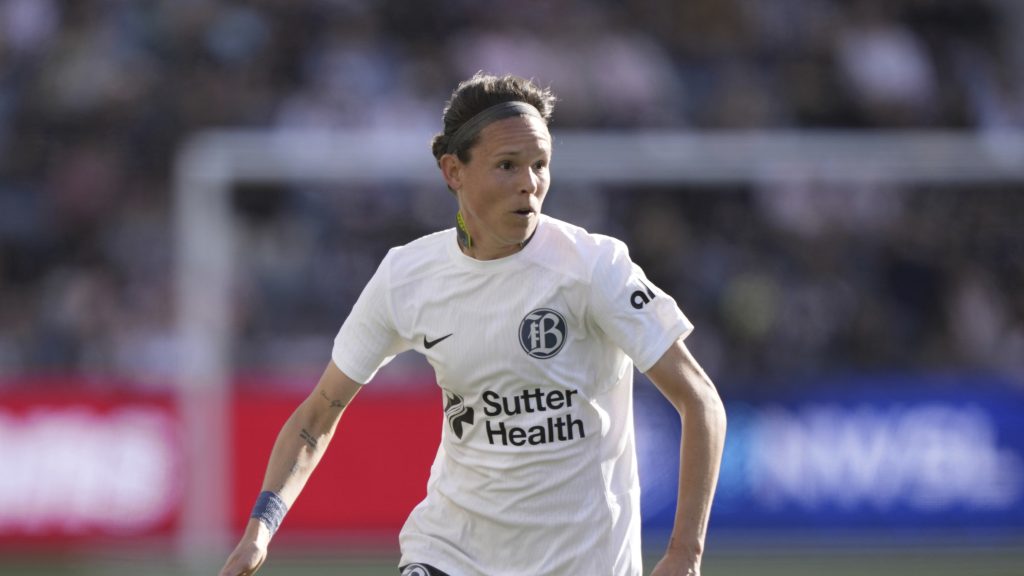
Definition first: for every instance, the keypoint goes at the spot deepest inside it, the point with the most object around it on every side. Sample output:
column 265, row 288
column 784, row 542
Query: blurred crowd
column 96, row 97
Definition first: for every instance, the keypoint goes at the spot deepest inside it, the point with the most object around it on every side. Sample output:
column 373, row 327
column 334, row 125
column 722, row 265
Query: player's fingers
column 238, row 567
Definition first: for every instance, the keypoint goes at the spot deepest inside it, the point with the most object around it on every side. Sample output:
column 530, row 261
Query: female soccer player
column 533, row 327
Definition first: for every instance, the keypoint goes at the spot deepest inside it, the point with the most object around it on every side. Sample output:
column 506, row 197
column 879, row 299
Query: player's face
column 501, row 189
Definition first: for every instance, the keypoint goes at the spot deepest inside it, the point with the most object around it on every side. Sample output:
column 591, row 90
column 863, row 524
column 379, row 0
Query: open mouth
column 524, row 212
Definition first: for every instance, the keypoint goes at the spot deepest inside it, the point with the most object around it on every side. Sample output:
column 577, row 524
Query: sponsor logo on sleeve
column 641, row 298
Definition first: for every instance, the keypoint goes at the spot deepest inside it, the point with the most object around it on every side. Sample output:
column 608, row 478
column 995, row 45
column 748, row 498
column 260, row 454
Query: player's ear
column 451, row 169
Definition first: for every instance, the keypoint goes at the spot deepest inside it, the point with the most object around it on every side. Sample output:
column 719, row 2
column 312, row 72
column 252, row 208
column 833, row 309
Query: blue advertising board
column 867, row 453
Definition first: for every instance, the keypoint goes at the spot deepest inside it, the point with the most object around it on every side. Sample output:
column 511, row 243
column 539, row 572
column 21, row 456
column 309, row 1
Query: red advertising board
column 79, row 465
column 82, row 465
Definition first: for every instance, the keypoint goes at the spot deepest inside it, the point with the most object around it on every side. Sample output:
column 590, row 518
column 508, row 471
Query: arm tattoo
column 334, row 403
column 310, row 440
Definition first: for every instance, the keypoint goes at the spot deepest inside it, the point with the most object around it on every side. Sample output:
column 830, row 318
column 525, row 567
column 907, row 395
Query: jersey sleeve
column 638, row 316
column 368, row 339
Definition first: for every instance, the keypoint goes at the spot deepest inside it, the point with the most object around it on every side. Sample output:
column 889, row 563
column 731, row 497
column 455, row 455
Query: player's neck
column 471, row 246
column 480, row 252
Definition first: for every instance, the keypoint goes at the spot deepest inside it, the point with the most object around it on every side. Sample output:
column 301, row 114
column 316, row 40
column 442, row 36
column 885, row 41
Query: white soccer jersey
column 536, row 473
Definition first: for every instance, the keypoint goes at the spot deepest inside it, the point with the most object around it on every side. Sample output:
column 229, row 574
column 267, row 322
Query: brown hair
column 478, row 94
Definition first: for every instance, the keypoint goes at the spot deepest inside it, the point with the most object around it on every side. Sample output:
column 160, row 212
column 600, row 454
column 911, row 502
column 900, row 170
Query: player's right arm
column 300, row 445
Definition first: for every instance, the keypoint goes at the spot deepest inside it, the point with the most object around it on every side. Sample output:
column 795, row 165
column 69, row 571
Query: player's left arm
column 685, row 384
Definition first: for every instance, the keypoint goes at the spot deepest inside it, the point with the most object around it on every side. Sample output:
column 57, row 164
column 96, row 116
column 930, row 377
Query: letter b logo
column 542, row 333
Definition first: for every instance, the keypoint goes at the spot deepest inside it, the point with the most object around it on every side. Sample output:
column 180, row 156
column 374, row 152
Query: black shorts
column 417, row 569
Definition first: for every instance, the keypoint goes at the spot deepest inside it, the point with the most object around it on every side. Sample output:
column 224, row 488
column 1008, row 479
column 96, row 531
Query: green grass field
column 1006, row 561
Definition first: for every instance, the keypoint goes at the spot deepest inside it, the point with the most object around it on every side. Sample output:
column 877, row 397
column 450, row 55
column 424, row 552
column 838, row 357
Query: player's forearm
column 299, row 447
column 703, row 438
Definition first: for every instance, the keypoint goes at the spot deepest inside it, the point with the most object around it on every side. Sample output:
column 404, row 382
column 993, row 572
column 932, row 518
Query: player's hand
column 246, row 559
column 251, row 551
column 675, row 564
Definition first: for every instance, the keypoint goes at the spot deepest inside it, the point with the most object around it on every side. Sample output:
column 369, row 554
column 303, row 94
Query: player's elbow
column 318, row 422
column 715, row 410
column 705, row 402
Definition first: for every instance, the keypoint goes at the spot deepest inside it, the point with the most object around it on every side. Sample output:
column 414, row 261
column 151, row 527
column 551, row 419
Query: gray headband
column 472, row 127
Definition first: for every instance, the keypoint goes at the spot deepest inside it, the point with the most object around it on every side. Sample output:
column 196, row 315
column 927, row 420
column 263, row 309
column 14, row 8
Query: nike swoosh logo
column 428, row 344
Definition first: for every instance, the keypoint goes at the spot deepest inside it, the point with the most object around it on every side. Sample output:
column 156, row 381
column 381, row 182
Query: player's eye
column 540, row 164
column 505, row 164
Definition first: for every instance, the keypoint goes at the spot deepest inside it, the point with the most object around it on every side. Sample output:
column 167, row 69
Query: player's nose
column 529, row 182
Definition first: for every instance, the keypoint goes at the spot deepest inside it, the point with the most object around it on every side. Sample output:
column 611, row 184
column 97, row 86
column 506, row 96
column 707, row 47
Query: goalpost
column 211, row 164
